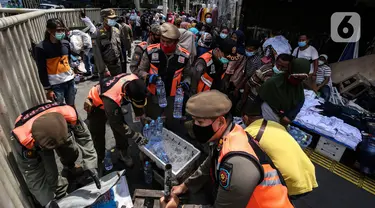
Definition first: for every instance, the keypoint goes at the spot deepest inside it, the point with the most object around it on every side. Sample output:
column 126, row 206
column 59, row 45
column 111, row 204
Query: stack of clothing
column 310, row 117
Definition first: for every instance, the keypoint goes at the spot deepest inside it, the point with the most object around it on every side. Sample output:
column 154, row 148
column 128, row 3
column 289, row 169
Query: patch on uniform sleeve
column 181, row 59
column 78, row 127
column 225, row 174
column 200, row 67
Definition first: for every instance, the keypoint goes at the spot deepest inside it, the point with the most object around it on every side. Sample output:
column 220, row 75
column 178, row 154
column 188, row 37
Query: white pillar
column 137, row 4
column 187, row 6
column 165, row 7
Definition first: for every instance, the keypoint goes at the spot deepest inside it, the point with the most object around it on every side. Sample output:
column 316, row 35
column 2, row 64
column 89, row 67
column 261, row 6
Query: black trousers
column 97, row 121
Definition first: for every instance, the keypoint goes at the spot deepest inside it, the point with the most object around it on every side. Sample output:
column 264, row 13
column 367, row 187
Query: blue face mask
column 276, row 70
column 224, row 60
column 208, row 20
column 249, row 53
column 60, row 36
column 111, row 22
column 302, row 43
column 223, row 35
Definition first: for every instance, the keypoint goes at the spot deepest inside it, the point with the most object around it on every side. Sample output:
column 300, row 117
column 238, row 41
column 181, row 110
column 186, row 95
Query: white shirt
column 310, row 53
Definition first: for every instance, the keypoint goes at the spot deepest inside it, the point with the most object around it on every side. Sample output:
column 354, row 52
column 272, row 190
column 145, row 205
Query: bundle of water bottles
column 304, row 139
column 153, row 132
column 162, row 98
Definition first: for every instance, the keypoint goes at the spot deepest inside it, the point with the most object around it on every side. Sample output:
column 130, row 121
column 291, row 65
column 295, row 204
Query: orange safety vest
column 205, row 81
column 112, row 88
column 94, row 97
column 271, row 192
column 24, row 122
column 158, row 60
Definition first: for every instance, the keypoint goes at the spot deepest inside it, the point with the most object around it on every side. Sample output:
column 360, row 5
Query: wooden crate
column 143, row 195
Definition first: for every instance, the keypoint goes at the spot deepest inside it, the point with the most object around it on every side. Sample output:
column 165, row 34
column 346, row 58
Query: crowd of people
column 223, row 75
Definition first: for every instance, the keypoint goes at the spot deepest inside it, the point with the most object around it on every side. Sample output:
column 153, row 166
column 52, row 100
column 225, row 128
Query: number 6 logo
column 345, row 27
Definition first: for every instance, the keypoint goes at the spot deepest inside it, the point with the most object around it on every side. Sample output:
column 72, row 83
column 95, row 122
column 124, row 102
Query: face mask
column 208, row 20
column 168, row 49
column 320, row 62
column 249, row 53
column 223, row 35
column 276, row 70
column 203, row 134
column 224, row 60
column 111, row 22
column 302, row 43
column 60, row 36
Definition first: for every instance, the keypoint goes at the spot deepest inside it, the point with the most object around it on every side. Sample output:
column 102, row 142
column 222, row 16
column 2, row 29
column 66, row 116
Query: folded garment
column 346, row 140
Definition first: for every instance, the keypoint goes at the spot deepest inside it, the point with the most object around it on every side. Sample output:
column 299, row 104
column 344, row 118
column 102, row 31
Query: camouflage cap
column 110, row 13
column 50, row 130
column 208, row 104
column 170, row 31
column 155, row 28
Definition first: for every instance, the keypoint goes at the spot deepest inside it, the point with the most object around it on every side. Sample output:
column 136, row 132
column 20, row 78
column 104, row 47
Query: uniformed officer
column 244, row 176
column 42, row 129
column 105, row 102
column 169, row 61
column 107, row 46
column 210, row 68
column 153, row 38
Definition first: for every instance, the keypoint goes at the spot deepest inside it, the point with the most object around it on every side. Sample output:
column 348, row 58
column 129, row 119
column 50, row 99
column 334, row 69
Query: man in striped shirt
column 323, row 78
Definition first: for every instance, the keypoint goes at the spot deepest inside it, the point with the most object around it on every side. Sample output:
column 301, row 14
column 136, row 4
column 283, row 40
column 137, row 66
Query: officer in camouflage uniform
column 106, row 42
column 153, row 38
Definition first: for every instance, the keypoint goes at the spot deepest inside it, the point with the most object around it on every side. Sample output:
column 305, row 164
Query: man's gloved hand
column 185, row 86
column 140, row 139
column 152, row 78
column 93, row 173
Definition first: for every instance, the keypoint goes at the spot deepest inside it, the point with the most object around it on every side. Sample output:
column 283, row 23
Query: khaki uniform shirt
column 244, row 177
column 107, row 48
column 40, row 169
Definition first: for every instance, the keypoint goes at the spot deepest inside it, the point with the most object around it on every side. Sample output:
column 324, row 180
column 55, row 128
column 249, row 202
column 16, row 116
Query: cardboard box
column 330, row 149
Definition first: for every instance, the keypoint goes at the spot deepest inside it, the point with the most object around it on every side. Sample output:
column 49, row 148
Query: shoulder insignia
column 225, row 174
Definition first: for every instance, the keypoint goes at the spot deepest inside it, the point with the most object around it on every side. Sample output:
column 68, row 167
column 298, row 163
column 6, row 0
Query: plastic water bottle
column 148, row 173
column 178, row 103
column 159, row 127
column 108, row 160
column 162, row 96
column 152, row 129
column 146, row 131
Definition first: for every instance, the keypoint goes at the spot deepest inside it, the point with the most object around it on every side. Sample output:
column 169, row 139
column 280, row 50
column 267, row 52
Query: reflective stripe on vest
column 205, row 81
column 270, row 192
column 22, row 131
column 115, row 93
column 94, row 97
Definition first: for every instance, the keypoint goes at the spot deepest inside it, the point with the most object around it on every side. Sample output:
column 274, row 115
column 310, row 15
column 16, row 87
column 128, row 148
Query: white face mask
column 320, row 62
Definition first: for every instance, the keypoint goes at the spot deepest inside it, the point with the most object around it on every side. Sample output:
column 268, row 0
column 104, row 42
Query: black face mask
column 203, row 134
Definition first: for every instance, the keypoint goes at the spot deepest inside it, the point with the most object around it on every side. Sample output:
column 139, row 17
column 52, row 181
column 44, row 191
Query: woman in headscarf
column 204, row 44
column 239, row 37
column 185, row 25
column 283, row 95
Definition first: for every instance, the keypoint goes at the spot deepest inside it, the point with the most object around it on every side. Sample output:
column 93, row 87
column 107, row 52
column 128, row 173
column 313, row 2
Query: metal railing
column 20, row 88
